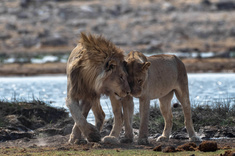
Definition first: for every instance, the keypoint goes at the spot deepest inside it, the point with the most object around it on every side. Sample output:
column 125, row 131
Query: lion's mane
column 87, row 65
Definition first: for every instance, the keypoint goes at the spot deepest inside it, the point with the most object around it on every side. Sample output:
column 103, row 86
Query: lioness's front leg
column 89, row 131
column 144, row 120
column 165, row 107
column 128, row 110
column 118, row 122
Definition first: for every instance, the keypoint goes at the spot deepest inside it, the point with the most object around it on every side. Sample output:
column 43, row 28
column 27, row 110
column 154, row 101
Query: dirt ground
column 59, row 142
column 38, row 127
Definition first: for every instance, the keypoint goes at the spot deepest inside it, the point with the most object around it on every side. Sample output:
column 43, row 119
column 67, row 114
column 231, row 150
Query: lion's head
column 96, row 66
column 137, row 69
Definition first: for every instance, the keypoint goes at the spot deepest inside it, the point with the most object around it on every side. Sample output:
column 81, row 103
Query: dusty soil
column 59, row 142
column 38, row 127
column 192, row 66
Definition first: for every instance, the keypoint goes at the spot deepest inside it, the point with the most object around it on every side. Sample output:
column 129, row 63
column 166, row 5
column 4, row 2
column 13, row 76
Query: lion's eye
column 121, row 78
column 140, row 81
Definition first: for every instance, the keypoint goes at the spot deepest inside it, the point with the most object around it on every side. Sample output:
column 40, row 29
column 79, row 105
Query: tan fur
column 159, row 77
column 95, row 67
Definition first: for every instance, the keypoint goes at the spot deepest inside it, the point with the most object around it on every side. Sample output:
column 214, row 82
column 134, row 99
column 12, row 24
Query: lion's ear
column 125, row 63
column 110, row 65
column 146, row 65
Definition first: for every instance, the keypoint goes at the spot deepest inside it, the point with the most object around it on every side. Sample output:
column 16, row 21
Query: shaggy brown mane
column 88, row 63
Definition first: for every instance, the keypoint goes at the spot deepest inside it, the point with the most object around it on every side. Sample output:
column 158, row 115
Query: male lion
column 159, row 76
column 95, row 67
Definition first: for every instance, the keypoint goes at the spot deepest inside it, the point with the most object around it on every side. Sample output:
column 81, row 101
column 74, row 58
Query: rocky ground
column 53, row 26
column 38, row 126
column 30, row 28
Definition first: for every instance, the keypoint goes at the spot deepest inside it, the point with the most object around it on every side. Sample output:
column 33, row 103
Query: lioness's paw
column 195, row 139
column 162, row 138
column 110, row 140
column 126, row 140
column 92, row 134
column 143, row 141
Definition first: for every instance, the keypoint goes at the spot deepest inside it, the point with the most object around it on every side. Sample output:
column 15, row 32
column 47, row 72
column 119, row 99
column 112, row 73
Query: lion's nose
column 128, row 92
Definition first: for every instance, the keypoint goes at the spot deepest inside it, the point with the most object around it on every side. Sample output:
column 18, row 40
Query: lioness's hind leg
column 165, row 107
column 182, row 95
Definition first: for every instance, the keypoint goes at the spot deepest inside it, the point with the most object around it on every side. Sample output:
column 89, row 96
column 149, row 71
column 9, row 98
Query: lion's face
column 115, row 79
column 137, row 76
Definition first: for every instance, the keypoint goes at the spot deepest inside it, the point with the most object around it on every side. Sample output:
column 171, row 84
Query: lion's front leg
column 88, row 130
column 118, row 122
column 128, row 110
column 76, row 136
column 99, row 114
column 144, row 120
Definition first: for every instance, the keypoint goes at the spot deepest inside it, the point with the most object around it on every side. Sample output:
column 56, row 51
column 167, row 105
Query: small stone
column 187, row 147
column 169, row 149
column 208, row 146
column 157, row 148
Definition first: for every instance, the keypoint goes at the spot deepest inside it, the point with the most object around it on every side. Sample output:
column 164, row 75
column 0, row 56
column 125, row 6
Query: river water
column 203, row 88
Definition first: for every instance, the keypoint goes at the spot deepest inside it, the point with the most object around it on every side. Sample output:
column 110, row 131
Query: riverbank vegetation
column 217, row 113
column 220, row 112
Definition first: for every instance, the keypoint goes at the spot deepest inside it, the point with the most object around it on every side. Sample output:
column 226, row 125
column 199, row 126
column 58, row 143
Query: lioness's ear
column 110, row 65
column 146, row 65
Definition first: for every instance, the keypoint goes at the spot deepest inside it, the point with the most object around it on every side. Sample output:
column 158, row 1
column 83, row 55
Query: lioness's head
column 137, row 69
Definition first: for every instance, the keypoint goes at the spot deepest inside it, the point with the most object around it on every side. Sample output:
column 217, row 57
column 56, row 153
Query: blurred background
column 44, row 32
column 37, row 36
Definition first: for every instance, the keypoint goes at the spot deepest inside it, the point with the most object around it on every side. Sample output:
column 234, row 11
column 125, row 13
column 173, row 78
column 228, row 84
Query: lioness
column 95, row 67
column 159, row 76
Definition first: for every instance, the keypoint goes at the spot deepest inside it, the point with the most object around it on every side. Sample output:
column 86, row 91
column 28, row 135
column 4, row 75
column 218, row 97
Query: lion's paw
column 126, row 140
column 92, row 134
column 73, row 138
column 195, row 139
column 143, row 141
column 162, row 138
column 80, row 142
column 110, row 140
